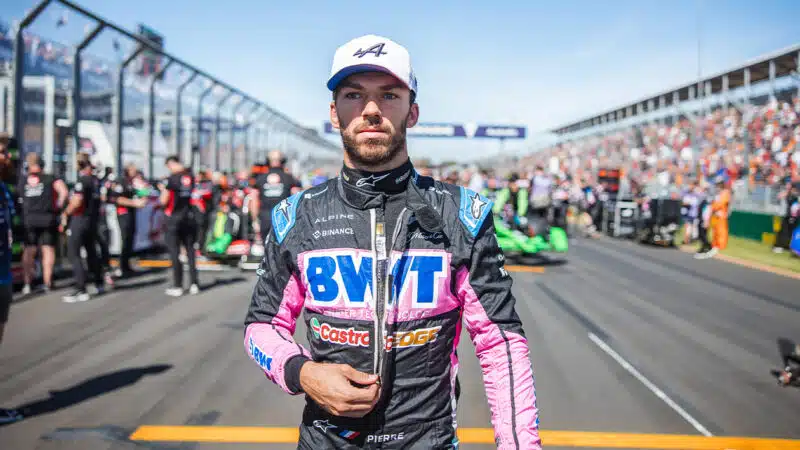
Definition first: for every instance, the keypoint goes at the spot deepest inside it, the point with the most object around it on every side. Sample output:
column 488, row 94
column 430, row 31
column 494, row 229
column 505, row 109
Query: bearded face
column 369, row 148
column 372, row 111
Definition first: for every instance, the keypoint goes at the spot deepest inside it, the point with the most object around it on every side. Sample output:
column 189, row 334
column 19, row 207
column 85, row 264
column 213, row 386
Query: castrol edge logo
column 411, row 338
column 345, row 336
column 356, row 338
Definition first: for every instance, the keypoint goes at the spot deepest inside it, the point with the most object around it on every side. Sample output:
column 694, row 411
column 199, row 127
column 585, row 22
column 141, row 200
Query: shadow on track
column 222, row 283
column 139, row 284
column 88, row 389
column 537, row 260
column 143, row 272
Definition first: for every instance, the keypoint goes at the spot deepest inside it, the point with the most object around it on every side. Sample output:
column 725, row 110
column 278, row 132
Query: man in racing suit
column 385, row 264
column 273, row 185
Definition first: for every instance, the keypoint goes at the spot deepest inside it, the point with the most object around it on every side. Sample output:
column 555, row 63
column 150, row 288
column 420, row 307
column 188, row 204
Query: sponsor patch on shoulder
column 473, row 210
column 284, row 215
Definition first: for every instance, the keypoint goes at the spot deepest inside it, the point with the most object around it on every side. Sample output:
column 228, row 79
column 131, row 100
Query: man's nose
column 371, row 111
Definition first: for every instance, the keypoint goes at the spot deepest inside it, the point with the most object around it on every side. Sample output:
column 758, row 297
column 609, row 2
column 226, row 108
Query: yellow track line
column 527, row 269
column 157, row 263
column 252, row 435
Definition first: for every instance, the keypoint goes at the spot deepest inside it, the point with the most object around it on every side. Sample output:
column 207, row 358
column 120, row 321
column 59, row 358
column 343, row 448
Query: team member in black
column 176, row 196
column 102, row 234
column 80, row 218
column 123, row 194
column 273, row 186
column 42, row 196
column 202, row 201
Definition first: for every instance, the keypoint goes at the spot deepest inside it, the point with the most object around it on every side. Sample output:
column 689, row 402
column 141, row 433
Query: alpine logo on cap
column 376, row 49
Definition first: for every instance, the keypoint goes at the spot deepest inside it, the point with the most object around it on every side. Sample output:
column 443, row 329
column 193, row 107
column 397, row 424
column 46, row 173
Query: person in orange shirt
column 720, row 208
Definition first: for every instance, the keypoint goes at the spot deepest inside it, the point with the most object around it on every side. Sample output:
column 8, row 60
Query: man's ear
column 413, row 116
column 334, row 116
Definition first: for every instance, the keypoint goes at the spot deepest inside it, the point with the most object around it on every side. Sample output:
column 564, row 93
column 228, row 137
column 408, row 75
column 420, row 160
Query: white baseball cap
column 372, row 53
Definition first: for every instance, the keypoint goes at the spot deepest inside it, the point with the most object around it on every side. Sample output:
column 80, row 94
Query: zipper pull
column 380, row 241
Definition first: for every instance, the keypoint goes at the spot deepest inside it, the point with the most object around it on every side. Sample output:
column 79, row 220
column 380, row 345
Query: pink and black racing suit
column 385, row 276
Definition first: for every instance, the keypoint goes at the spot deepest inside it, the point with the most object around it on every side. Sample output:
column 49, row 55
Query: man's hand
column 340, row 389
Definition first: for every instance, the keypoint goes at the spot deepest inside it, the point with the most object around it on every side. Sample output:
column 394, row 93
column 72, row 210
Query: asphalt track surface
column 624, row 339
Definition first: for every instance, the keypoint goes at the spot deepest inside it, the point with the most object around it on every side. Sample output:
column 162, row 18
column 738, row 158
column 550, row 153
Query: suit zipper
column 373, row 238
column 389, row 284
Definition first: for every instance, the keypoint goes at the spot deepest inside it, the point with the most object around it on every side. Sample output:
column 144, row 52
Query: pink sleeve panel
column 507, row 373
column 271, row 344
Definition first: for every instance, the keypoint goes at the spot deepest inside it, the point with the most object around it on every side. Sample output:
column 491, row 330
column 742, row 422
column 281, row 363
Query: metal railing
column 260, row 119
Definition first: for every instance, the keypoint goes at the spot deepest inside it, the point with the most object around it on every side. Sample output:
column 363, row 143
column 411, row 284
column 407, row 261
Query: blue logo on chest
column 345, row 278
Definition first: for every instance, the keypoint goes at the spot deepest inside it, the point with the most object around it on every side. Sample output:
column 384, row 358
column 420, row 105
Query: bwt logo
column 336, row 278
column 261, row 359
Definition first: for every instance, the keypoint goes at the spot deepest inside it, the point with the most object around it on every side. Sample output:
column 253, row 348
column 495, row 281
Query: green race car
column 514, row 241
column 514, row 236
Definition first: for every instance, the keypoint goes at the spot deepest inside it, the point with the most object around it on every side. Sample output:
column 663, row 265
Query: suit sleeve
column 270, row 323
column 496, row 331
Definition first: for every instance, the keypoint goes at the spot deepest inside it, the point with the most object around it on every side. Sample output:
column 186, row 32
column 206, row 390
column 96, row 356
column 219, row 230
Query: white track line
column 649, row 384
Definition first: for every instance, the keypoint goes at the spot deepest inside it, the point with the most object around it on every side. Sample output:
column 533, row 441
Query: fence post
column 120, row 105
column 200, row 123
column 216, row 128
column 152, row 117
column 239, row 104
column 77, row 85
column 177, row 129
column 19, row 73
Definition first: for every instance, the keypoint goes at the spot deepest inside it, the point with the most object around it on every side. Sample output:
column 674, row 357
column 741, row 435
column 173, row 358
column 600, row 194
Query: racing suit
column 385, row 267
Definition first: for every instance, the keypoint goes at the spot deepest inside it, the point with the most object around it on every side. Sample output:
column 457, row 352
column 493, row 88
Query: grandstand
column 743, row 124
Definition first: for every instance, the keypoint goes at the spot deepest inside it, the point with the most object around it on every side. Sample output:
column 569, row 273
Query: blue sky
column 533, row 63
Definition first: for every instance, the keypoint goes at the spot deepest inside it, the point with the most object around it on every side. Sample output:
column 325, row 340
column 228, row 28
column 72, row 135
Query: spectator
column 791, row 195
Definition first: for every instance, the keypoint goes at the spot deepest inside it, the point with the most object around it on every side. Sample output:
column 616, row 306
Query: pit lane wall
column 755, row 226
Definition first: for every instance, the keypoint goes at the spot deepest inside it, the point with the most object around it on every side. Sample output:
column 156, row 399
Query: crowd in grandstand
column 760, row 145
column 696, row 161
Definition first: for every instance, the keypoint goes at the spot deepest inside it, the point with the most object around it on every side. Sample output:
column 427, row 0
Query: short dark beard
column 395, row 147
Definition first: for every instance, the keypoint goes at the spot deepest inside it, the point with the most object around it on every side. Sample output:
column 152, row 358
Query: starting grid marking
column 212, row 265
column 525, row 269
column 285, row 435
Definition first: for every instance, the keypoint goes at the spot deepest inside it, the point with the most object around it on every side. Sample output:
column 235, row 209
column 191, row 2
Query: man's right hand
column 340, row 389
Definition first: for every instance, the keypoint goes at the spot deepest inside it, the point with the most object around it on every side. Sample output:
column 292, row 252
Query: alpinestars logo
column 323, row 425
column 284, row 208
column 477, row 205
column 370, row 180
column 349, row 336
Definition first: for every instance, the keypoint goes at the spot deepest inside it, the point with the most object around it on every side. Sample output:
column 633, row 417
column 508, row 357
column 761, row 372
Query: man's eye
column 390, row 96
column 352, row 95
